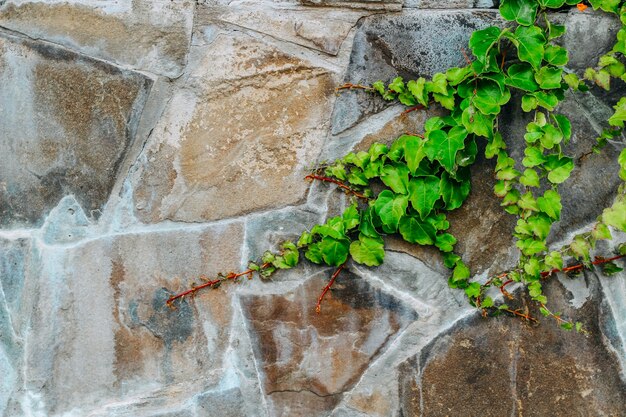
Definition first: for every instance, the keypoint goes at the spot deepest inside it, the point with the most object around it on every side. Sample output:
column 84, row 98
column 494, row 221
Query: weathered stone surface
column 149, row 35
column 100, row 329
column 323, row 30
column 414, row 43
column 309, row 360
column 451, row 4
column 66, row 124
column 504, row 367
column 357, row 4
column 238, row 138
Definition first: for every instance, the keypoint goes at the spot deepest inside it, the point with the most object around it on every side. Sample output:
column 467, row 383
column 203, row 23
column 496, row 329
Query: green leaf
column 487, row 302
column 523, row 12
column 615, row 215
column 567, row 326
column 417, row 88
column 549, row 77
column 366, row 225
column 445, row 242
column 554, row 260
column 555, row 31
column 619, row 116
column 450, row 259
column 351, row 217
column 482, row 41
column 521, row 76
column 314, row 253
column 413, row 152
column 396, row 177
column 461, row 272
column 560, row 170
column 306, row 239
column 368, row 251
column 611, row 268
column 494, row 146
column 357, row 177
column 337, row 170
column 529, row 102
column 530, row 178
column 564, row 126
column 473, row 290
column 397, row 85
column 580, row 248
column 531, row 247
column 414, row 230
column 390, row 208
column 540, row 225
column 443, row 147
column 528, row 202
column 530, row 44
column 547, row 100
column 556, row 55
column 534, row 157
column 424, row 193
column 380, row 88
column 334, row 252
column 476, row 122
column 550, row 204
column 438, row 221
column 456, row 76
column 489, row 97
column 551, row 136
column 334, row 227
column 453, row 192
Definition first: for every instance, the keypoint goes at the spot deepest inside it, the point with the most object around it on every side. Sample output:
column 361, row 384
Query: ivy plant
column 408, row 187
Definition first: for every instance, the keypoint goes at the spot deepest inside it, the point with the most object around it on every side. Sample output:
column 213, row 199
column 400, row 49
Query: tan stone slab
column 66, row 122
column 102, row 337
column 238, row 138
column 151, row 35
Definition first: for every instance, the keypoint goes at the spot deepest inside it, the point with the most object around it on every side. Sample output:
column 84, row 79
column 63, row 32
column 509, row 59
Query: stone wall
column 146, row 143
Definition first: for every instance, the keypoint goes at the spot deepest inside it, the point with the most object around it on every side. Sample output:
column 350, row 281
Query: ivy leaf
column 314, row 253
column 351, row 217
column 453, row 192
column 540, row 225
column 550, row 203
column 556, row 55
column 601, row 232
column 554, row 260
column 564, row 126
column 413, row 152
column 615, row 215
column 366, row 225
column 424, row 193
column 521, row 76
column 528, row 202
column 306, row 239
column 368, row 251
column 580, row 248
column 530, row 178
column 334, row 251
column 489, row 97
column 529, row 42
column 611, row 268
column 531, row 247
column 476, row 122
column 390, row 208
column 461, row 272
column 397, row 85
column 534, row 157
column 529, row 102
column 523, row 12
column 417, row 88
column 414, row 230
column 396, row 177
column 445, row 242
column 494, row 146
column 560, row 170
column 619, row 116
column 549, row 77
column 439, row 221
column 456, row 76
column 482, row 41
column 546, row 100
column 473, row 290
column 443, row 146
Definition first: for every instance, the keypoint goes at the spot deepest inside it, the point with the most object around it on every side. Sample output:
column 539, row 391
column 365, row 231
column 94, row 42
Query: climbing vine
column 408, row 187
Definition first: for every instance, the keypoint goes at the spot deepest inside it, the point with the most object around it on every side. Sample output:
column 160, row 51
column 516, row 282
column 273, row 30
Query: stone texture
column 414, row 43
column 67, row 122
column 249, row 122
column 357, row 4
column 309, row 360
column 504, row 367
column 100, row 332
column 322, row 30
column 149, row 35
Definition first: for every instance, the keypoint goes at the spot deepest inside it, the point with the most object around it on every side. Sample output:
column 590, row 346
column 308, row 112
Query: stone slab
column 147, row 35
column 67, row 122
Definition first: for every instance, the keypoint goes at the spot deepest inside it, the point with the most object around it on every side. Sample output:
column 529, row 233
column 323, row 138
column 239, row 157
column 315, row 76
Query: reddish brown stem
column 412, row 109
column 598, row 261
column 505, row 292
column 318, row 307
column 195, row 289
column 521, row 315
column 350, row 86
column 419, row 135
column 336, row 182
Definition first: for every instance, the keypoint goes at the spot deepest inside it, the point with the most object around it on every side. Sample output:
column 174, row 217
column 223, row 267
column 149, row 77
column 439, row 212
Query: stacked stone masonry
column 147, row 143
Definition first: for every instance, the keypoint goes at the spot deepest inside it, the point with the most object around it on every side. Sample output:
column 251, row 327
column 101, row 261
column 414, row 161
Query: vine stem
column 194, row 289
column 350, row 86
column 318, row 307
column 336, row 182
column 598, row 261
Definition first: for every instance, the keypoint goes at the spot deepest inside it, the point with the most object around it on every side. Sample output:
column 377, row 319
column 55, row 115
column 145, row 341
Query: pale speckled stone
column 240, row 137
column 67, row 122
column 149, row 35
